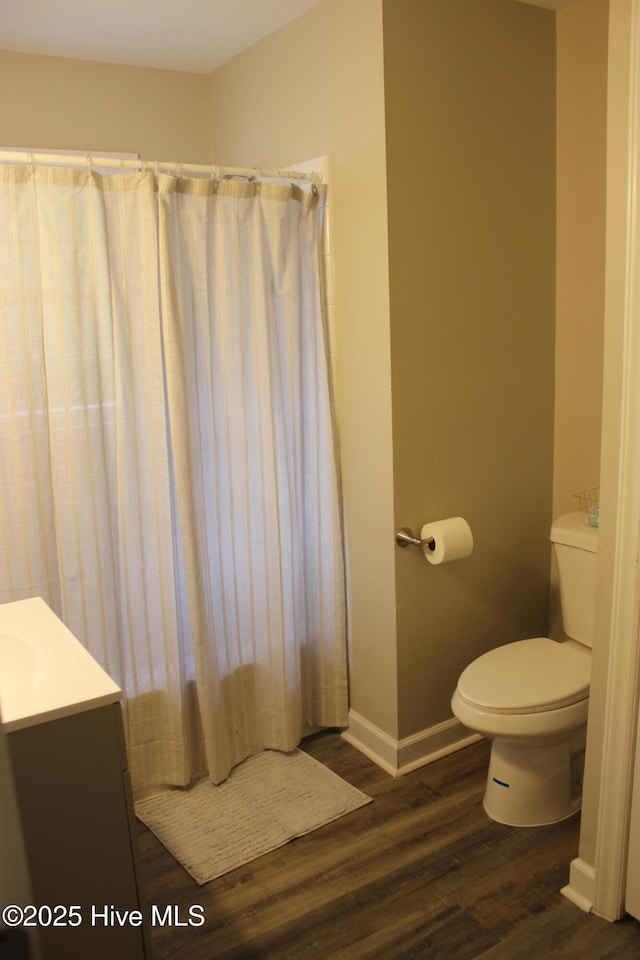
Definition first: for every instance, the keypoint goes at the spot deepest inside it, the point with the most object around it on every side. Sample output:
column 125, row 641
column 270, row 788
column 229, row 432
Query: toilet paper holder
column 405, row 538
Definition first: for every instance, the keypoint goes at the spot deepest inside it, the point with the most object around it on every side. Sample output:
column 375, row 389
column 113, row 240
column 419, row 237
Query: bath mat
column 265, row 802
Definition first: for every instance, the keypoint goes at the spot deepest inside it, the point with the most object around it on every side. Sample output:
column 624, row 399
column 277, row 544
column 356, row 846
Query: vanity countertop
column 45, row 672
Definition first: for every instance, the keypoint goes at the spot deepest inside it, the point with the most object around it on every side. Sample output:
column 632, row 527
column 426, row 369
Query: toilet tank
column 576, row 548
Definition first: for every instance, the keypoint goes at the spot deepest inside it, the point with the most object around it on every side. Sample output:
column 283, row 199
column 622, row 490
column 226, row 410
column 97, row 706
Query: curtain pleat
column 168, row 475
column 254, row 467
column 82, row 372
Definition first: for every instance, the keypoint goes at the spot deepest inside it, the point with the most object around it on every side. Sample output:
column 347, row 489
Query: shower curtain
column 168, row 481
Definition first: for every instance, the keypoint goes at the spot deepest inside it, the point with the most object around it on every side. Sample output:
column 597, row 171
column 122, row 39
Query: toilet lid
column 528, row 676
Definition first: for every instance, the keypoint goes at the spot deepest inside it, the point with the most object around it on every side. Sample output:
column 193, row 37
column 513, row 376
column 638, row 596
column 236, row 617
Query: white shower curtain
column 168, row 481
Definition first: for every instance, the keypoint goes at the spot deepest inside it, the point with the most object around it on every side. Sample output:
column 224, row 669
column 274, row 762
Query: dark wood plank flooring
column 420, row 873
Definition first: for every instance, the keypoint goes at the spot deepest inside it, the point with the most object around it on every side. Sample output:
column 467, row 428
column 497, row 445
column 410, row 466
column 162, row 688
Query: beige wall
column 55, row 103
column 582, row 63
column 470, row 107
column 468, row 138
column 316, row 87
column 582, row 116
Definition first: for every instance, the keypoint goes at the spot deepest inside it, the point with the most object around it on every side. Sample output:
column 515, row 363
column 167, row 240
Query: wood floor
column 419, row 873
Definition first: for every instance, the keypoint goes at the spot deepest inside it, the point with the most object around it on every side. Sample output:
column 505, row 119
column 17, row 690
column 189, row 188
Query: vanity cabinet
column 62, row 724
column 74, row 799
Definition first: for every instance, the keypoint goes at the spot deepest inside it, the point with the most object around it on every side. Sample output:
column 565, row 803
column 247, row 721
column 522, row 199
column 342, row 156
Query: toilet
column 531, row 697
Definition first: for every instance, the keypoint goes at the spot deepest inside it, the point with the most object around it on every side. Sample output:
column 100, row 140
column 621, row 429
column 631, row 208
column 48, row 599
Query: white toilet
column 531, row 698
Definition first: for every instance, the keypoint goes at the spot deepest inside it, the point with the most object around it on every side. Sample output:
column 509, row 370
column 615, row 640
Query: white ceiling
column 194, row 35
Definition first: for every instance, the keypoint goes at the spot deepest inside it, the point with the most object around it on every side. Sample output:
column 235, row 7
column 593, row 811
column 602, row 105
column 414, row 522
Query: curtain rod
column 154, row 166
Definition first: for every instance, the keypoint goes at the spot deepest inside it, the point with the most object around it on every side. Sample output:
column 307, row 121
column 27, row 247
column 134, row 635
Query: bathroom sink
column 45, row 672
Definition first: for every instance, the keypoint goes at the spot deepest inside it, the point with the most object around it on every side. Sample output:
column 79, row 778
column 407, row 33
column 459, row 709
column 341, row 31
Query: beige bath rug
column 266, row 801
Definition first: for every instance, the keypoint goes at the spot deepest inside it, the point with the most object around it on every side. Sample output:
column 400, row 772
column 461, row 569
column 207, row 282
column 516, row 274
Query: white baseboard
column 398, row 757
column 580, row 889
column 373, row 742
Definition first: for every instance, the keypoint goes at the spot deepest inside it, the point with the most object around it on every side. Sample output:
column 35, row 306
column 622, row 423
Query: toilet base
column 530, row 786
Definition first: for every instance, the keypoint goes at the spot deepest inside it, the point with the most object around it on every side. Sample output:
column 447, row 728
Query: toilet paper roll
column 452, row 540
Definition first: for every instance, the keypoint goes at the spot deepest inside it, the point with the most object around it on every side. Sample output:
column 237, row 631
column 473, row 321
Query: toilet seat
column 528, row 676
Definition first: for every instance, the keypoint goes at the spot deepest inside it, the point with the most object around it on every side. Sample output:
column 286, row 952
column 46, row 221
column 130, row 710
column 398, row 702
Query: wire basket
column 589, row 504
column 588, row 499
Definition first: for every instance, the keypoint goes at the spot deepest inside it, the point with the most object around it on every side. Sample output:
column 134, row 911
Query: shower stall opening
column 169, row 479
